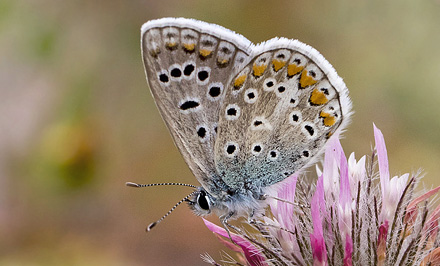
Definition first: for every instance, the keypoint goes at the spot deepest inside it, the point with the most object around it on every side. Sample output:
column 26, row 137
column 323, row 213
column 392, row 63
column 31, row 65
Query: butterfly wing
column 188, row 64
column 278, row 113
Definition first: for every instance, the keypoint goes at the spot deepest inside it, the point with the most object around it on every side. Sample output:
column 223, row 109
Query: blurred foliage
column 77, row 120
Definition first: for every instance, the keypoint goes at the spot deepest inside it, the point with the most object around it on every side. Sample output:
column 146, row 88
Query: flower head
column 354, row 215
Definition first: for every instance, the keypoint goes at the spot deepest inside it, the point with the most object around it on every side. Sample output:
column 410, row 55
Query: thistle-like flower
column 353, row 215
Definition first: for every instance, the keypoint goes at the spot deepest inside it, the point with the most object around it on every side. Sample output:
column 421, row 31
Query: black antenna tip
column 151, row 226
column 131, row 184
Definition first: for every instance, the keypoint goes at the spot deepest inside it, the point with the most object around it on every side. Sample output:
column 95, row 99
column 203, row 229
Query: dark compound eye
column 188, row 70
column 203, row 201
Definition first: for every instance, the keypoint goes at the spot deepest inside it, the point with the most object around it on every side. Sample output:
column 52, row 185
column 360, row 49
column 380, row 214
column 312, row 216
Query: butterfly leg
column 224, row 220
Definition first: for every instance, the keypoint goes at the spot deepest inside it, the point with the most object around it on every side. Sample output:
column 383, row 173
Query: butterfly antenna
column 131, row 184
column 170, row 211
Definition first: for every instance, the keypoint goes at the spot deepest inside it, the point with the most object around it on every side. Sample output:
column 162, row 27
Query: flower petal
column 252, row 254
column 317, row 238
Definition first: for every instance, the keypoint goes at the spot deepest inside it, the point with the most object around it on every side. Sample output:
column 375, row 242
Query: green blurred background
column 77, row 120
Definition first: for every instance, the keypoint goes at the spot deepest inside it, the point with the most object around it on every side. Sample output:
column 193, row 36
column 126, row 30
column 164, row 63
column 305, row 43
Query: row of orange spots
column 329, row 120
column 190, row 47
column 317, row 98
column 292, row 70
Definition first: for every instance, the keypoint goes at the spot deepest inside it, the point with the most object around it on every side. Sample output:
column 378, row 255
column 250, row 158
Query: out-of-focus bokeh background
column 77, row 120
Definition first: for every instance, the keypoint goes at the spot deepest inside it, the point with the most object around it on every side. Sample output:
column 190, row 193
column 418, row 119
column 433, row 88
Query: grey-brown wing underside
column 188, row 64
column 279, row 112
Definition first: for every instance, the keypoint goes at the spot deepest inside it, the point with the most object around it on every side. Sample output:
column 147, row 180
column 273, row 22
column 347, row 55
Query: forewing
column 278, row 113
column 188, row 64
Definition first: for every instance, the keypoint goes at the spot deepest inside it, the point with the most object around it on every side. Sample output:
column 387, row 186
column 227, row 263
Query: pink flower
column 352, row 216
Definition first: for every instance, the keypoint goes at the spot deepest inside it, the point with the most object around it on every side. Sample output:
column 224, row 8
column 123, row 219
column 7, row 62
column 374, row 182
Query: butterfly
column 245, row 117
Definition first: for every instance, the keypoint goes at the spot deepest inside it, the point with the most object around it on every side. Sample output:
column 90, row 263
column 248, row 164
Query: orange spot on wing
column 222, row 61
column 189, row 46
column 278, row 64
column 318, row 97
column 329, row 120
column 293, row 69
column 171, row 45
column 239, row 81
column 306, row 80
column 205, row 52
column 259, row 70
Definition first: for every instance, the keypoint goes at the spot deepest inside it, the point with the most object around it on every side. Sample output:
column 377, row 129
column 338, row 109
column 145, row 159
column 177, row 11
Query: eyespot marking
column 201, row 132
column 269, row 84
column 214, row 91
column 256, row 149
column 232, row 112
column 260, row 123
column 164, row 78
column 250, row 96
column 272, row 155
column 295, row 118
column 176, row 73
column 231, row 149
column 189, row 105
column 309, row 130
column 188, row 70
column 202, row 75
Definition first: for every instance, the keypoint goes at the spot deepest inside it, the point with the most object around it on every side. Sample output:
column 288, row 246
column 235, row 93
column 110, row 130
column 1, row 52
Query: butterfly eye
column 203, row 201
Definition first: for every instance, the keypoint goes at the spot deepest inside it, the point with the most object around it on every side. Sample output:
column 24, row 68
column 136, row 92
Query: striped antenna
column 170, row 211
column 131, row 184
